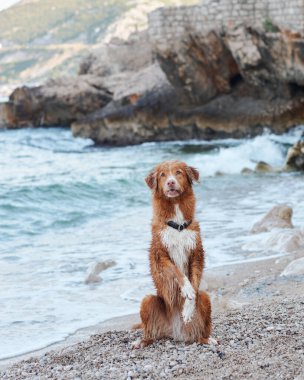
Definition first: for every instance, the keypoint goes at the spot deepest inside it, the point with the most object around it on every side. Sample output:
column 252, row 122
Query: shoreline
column 120, row 322
column 232, row 288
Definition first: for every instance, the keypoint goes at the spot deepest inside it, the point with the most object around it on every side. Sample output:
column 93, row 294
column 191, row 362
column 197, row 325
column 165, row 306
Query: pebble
column 148, row 367
column 269, row 328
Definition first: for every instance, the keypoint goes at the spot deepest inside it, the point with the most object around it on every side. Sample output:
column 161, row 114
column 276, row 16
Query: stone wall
column 167, row 24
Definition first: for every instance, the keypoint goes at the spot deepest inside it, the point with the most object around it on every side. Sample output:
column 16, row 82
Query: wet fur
column 175, row 257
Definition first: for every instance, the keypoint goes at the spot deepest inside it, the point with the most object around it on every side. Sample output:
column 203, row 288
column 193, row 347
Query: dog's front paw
column 136, row 344
column 211, row 341
column 141, row 343
column 187, row 290
column 188, row 310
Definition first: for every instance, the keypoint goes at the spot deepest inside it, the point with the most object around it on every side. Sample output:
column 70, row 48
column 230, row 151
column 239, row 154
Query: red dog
column 179, row 310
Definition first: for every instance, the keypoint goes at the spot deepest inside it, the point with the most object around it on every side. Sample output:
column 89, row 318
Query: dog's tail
column 138, row 326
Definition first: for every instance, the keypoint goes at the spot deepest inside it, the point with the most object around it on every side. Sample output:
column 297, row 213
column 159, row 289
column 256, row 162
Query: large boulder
column 278, row 217
column 268, row 61
column 263, row 167
column 139, row 111
column 295, row 157
column 200, row 67
column 295, row 268
column 288, row 240
column 222, row 83
column 58, row 102
column 127, row 124
column 118, row 56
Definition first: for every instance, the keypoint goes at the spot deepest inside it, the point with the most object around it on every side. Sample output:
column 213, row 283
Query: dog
column 179, row 310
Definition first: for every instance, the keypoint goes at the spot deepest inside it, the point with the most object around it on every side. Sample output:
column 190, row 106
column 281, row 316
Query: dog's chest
column 179, row 243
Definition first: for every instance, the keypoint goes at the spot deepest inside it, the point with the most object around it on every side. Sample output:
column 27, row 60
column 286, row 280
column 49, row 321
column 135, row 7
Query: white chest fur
column 179, row 243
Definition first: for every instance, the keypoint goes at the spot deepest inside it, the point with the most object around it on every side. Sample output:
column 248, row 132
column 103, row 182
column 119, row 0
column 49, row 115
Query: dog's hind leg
column 154, row 320
column 204, row 319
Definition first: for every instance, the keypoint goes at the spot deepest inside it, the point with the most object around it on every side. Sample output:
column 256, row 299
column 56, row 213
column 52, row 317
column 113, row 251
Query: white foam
column 231, row 160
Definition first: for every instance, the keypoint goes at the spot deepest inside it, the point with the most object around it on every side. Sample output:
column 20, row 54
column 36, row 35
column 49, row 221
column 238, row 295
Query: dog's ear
column 192, row 174
column 151, row 180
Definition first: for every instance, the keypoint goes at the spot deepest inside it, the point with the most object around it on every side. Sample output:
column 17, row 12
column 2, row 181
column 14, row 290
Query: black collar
column 177, row 226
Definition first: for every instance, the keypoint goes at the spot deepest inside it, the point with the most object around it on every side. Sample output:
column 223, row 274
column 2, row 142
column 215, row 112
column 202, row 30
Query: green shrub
column 269, row 26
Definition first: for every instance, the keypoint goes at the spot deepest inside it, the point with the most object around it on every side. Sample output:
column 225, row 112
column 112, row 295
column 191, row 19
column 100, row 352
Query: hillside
column 50, row 37
column 56, row 22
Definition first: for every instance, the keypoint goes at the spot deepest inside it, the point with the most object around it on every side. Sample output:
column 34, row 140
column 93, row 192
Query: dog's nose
column 171, row 183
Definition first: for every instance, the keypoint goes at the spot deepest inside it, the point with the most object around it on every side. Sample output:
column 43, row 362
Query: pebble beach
column 257, row 319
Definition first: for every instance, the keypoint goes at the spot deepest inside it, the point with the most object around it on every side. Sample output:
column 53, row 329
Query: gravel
column 259, row 341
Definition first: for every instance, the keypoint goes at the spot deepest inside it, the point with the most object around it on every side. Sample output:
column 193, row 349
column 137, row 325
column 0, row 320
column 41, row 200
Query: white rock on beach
column 278, row 217
column 295, row 241
column 92, row 275
column 295, row 268
column 288, row 240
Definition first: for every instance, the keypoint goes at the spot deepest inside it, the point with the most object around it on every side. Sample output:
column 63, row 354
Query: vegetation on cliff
column 59, row 22
column 50, row 37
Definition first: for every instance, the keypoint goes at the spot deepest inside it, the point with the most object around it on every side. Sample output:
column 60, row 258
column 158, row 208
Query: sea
column 67, row 204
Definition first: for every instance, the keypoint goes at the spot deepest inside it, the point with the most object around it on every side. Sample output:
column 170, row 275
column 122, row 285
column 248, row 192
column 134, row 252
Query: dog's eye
column 178, row 172
column 162, row 174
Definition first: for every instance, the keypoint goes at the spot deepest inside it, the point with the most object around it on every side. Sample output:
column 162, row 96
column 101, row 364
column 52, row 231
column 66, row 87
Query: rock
column 222, row 84
column 295, row 241
column 295, row 268
column 295, row 157
column 288, row 240
column 7, row 118
column 92, row 275
column 148, row 367
column 247, row 171
column 57, row 103
column 130, row 126
column 191, row 68
column 246, row 54
column 119, row 56
column 147, row 80
column 278, row 217
column 137, row 119
column 138, row 112
column 263, row 167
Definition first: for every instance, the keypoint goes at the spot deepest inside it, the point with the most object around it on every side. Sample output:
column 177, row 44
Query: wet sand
column 258, row 317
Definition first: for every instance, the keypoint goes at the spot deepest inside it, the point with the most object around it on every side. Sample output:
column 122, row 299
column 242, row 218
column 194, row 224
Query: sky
column 6, row 3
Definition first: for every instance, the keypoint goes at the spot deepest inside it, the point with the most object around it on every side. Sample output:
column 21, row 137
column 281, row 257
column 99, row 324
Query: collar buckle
column 179, row 227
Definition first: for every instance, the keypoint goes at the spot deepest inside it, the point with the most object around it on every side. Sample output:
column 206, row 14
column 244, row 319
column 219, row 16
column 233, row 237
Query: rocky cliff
column 215, row 70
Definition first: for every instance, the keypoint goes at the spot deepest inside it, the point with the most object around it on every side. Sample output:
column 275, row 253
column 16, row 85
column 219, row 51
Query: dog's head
column 172, row 178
